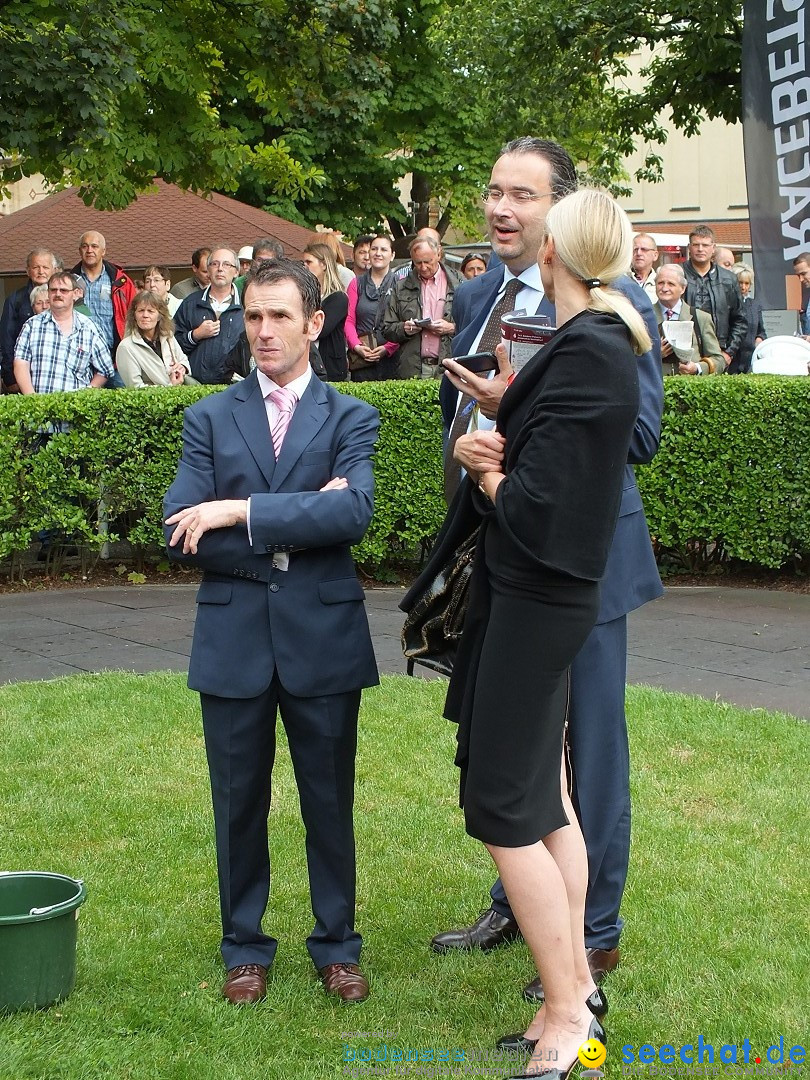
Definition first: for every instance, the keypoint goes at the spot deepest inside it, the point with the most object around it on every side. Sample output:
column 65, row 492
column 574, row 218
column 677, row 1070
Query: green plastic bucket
column 38, row 924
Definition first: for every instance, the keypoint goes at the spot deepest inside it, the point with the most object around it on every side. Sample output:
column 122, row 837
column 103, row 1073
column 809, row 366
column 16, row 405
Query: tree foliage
column 316, row 108
column 108, row 96
column 561, row 69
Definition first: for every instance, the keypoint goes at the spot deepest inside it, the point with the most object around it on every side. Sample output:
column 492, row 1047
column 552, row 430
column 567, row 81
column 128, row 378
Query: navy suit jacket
column 308, row 622
column 631, row 576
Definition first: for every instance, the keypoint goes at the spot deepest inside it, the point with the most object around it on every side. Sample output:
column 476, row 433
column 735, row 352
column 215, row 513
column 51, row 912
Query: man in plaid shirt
column 60, row 349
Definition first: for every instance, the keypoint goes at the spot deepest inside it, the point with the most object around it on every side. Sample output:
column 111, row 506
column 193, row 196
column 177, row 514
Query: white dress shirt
column 528, row 299
column 281, row 559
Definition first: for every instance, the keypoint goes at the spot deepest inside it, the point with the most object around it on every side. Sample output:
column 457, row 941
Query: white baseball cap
column 245, row 253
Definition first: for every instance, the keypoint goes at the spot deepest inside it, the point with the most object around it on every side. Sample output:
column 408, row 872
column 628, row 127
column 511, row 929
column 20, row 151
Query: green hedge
column 731, row 479
column 732, row 474
column 119, row 450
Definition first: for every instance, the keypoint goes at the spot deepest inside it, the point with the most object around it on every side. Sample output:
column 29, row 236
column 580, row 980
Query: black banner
column 776, row 133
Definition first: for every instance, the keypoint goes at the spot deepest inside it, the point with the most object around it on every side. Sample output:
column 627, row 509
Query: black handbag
column 435, row 622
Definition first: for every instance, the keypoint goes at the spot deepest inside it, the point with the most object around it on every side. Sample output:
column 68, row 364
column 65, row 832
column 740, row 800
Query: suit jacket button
column 273, row 586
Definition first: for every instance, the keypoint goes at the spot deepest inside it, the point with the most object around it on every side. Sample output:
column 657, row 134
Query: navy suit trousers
column 240, row 742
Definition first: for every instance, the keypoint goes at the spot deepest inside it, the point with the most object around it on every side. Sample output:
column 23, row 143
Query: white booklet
column 523, row 335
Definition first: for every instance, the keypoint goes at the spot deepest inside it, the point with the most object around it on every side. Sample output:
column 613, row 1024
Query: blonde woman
column 755, row 326
column 545, row 488
column 149, row 354
column 318, row 258
column 332, row 241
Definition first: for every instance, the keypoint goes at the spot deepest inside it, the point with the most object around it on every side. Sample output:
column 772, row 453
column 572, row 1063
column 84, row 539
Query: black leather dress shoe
column 489, row 929
column 600, row 961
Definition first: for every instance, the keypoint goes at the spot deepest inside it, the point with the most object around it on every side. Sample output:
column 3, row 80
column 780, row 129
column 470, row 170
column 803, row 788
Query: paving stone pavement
column 750, row 647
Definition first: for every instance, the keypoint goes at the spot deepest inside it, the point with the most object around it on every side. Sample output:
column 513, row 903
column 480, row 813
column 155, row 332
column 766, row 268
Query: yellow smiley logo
column 592, row 1054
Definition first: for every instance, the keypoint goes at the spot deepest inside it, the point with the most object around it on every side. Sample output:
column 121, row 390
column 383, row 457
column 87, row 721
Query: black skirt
column 509, row 695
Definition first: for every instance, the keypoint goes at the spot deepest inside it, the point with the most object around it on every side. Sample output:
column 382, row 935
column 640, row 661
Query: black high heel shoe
column 519, row 1044
column 595, row 1031
column 597, row 1003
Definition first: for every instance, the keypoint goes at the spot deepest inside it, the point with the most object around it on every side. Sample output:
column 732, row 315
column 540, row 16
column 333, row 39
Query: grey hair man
column 39, row 266
column 418, row 311
column 208, row 323
column 645, row 256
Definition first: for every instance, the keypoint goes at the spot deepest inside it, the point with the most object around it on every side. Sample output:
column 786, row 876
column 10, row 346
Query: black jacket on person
column 208, row 357
column 755, row 328
column 332, row 341
column 16, row 310
column 723, row 301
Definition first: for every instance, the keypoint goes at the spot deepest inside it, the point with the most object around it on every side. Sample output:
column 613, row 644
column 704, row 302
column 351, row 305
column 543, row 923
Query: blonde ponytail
column 593, row 238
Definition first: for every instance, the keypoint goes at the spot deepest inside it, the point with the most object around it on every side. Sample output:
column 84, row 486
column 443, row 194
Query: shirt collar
column 234, row 296
column 530, row 277
column 298, row 386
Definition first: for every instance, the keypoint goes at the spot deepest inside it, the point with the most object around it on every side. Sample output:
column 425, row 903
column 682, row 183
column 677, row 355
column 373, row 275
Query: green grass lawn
column 103, row 777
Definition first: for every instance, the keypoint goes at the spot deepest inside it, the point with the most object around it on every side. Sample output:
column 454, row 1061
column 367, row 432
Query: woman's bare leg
column 537, row 893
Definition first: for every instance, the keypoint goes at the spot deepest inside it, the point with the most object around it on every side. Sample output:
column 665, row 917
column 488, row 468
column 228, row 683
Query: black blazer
column 567, row 419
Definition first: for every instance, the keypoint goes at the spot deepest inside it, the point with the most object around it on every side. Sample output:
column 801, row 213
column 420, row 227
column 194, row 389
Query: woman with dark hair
column 544, row 489
column 473, row 265
column 149, row 354
column 320, row 261
column 370, row 358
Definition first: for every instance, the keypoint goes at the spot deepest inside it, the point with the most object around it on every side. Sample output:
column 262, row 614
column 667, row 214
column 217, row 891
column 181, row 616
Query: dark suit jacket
column 631, row 575
column 309, row 622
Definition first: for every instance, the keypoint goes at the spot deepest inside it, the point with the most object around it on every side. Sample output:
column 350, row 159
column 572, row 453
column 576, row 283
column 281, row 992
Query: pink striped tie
column 285, row 401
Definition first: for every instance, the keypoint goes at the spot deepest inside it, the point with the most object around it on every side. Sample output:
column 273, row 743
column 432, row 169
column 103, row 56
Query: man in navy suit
column 274, row 486
column 527, row 178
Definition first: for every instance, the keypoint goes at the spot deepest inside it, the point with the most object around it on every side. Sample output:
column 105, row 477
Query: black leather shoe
column 489, row 929
column 600, row 961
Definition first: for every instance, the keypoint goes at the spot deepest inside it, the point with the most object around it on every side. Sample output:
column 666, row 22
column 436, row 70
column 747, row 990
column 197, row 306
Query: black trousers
column 240, row 743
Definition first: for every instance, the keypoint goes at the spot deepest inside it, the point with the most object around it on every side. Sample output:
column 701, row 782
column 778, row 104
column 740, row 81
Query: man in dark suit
column 274, row 486
column 527, row 178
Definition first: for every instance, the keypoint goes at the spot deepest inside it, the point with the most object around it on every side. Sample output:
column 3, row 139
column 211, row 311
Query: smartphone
column 478, row 362
column 423, row 323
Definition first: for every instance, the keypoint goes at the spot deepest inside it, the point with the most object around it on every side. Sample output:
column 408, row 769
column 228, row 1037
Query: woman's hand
column 176, row 374
column 375, row 355
column 480, row 452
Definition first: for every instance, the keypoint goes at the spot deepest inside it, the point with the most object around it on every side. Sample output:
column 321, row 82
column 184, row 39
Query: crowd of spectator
column 95, row 326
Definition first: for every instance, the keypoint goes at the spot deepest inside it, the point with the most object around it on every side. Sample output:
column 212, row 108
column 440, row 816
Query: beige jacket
column 140, row 366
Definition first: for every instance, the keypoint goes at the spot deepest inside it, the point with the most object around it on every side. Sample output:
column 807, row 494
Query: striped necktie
column 285, row 401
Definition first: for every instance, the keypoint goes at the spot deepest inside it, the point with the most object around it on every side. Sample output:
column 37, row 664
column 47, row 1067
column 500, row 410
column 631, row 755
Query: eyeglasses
column 515, row 196
column 636, row 249
column 224, row 265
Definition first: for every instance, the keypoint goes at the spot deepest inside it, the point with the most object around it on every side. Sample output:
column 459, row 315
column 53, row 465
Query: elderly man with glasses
column 208, row 323
column 645, row 256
